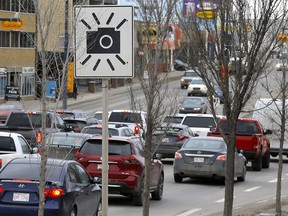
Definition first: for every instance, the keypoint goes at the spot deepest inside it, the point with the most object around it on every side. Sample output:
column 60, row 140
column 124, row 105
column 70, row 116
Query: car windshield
column 76, row 124
column 200, row 122
column 173, row 119
column 26, row 119
column 96, row 130
column 190, row 74
column 192, row 101
column 205, row 144
column 94, row 147
column 242, row 127
column 125, row 117
column 67, row 140
column 30, row 171
column 197, row 81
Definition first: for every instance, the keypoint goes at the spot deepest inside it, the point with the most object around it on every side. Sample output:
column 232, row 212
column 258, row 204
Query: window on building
column 27, row 84
column 15, row 5
column 4, row 39
column 3, row 83
column 27, row 6
column 5, row 5
column 27, row 39
column 14, row 39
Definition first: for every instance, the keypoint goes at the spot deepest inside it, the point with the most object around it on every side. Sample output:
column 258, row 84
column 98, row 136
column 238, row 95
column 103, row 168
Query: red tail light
column 181, row 138
column 255, row 141
column 1, row 189
column 39, row 137
column 53, row 192
column 131, row 160
column 221, row 158
column 178, row 155
column 0, row 163
column 136, row 130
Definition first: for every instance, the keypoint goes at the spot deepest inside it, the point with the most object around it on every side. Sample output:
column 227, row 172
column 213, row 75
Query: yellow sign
column 13, row 25
column 282, row 38
column 206, row 14
column 70, row 77
column 149, row 35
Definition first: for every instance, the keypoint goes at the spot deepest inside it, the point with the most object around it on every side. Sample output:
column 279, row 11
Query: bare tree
column 231, row 49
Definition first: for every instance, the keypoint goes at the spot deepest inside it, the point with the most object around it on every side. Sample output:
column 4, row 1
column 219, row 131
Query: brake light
column 0, row 163
column 53, row 192
column 178, row 155
column 1, row 189
column 181, row 138
column 31, row 113
column 132, row 160
column 39, row 137
column 136, row 130
column 60, row 111
column 255, row 141
column 221, row 158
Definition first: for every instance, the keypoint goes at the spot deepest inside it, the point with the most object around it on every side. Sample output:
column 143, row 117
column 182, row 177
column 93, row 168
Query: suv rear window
column 200, row 122
column 7, row 144
column 25, row 120
column 125, row 117
column 243, row 127
column 94, row 130
column 94, row 147
column 191, row 74
column 173, row 119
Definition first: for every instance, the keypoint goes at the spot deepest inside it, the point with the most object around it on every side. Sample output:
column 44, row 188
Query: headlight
column 197, row 108
column 182, row 80
column 205, row 88
column 181, row 108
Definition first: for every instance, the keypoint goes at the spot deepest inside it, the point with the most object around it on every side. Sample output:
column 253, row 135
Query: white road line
column 262, row 201
column 189, row 212
column 219, row 201
column 253, row 188
column 274, row 180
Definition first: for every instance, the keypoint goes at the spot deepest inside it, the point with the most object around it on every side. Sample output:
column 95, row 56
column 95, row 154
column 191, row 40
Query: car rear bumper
column 17, row 210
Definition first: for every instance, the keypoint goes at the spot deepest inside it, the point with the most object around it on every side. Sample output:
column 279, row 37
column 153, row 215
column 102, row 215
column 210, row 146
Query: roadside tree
column 230, row 45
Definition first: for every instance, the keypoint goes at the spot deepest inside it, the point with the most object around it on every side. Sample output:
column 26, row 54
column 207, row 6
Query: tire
column 157, row 195
column 99, row 209
column 243, row 176
column 73, row 212
column 138, row 197
column 257, row 163
column 182, row 87
column 178, row 178
column 266, row 160
column 188, row 94
column 274, row 154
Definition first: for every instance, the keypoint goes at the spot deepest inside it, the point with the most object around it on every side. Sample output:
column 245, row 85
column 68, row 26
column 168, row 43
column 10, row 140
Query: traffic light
column 70, row 77
column 13, row 24
column 282, row 38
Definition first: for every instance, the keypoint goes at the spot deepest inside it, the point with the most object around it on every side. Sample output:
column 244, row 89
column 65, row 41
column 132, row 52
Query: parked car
column 187, row 77
column 113, row 130
column 79, row 123
column 167, row 138
column 69, row 189
column 64, row 145
column 194, row 105
column 180, row 65
column 206, row 157
column 126, row 167
column 197, row 86
column 6, row 109
column 174, row 119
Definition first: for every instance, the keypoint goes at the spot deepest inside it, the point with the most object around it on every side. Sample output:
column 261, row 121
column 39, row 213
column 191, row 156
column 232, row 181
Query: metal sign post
column 104, row 48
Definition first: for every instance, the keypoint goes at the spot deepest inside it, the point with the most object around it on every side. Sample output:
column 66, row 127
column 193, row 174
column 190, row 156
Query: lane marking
column 222, row 200
column 253, row 188
column 274, row 180
column 261, row 201
column 189, row 212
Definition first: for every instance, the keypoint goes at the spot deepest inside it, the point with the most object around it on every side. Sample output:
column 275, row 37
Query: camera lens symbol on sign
column 105, row 40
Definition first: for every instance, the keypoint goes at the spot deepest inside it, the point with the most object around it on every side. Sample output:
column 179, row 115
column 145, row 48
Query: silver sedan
column 206, row 157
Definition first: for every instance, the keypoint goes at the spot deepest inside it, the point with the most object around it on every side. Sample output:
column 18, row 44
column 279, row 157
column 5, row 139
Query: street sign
column 104, row 41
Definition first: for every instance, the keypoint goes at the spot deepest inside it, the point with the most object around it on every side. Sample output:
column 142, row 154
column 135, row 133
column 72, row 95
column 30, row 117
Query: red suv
column 126, row 167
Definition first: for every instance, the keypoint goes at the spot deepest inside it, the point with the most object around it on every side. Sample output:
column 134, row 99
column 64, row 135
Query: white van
column 268, row 113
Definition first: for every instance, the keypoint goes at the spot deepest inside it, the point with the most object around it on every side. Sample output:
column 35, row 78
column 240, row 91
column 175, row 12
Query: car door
column 75, row 186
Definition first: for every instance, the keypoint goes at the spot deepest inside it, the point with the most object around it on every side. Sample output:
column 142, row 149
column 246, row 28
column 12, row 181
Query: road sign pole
column 105, row 147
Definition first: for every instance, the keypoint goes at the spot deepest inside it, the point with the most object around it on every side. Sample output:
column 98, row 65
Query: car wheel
column 266, row 160
column 182, row 87
column 274, row 154
column 138, row 197
column 243, row 176
column 157, row 195
column 99, row 209
column 188, row 94
column 257, row 163
column 73, row 212
column 178, row 178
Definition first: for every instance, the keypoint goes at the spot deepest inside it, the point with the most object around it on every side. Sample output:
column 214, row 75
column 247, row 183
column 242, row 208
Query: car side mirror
column 158, row 156
column 268, row 131
column 69, row 128
column 196, row 134
column 34, row 150
column 97, row 180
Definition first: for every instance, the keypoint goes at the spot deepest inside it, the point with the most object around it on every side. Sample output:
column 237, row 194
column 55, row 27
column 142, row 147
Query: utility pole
column 66, row 38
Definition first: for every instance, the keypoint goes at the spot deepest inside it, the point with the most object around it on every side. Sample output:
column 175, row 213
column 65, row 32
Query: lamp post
column 66, row 38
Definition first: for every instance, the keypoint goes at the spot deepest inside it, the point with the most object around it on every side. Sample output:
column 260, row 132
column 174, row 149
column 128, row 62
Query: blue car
column 69, row 189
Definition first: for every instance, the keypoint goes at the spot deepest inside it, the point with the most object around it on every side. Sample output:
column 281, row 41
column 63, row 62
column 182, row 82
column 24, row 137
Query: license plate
column 21, row 197
column 165, row 139
column 198, row 160
column 99, row 166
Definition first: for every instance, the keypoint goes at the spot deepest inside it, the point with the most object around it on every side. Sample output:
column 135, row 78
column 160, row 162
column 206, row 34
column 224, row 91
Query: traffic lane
column 203, row 196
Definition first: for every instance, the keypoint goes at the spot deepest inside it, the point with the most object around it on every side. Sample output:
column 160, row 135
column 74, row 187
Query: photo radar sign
column 104, row 41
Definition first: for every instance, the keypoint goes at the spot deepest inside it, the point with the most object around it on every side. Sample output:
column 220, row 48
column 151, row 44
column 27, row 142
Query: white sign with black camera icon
column 104, row 41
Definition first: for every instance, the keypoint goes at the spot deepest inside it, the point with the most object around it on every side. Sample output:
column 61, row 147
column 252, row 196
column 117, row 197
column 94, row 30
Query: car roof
column 118, row 138
column 70, row 134
column 208, row 138
column 8, row 134
column 199, row 115
column 50, row 161
column 173, row 125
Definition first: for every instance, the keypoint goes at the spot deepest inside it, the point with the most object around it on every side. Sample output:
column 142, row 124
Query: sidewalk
column 84, row 95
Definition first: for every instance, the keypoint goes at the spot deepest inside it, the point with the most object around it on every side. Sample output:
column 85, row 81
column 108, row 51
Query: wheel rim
column 99, row 210
column 73, row 213
column 161, row 185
